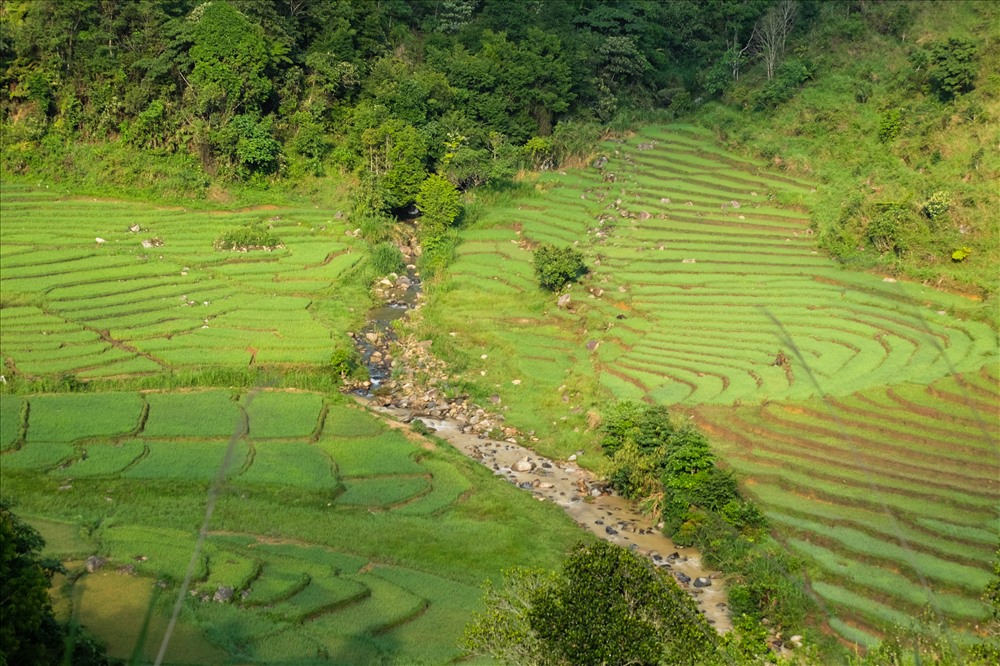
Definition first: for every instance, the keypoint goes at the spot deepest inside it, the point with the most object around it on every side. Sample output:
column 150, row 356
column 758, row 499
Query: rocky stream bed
column 405, row 383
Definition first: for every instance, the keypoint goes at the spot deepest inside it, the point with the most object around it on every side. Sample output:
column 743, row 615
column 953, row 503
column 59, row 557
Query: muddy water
column 607, row 516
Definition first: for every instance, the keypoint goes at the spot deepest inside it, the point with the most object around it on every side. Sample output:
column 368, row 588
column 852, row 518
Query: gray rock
column 564, row 300
column 94, row 563
column 223, row 594
column 523, row 465
column 701, row 581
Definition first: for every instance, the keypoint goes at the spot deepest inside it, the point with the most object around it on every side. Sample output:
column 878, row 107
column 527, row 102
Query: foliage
column 230, row 59
column 345, row 361
column 557, row 266
column 503, row 630
column 672, row 470
column 606, row 606
column 786, row 82
column 387, row 258
column 889, row 125
column 439, row 205
column 253, row 236
column 992, row 592
column 937, row 205
column 953, row 67
column 648, row 426
column 29, row 632
column 888, row 229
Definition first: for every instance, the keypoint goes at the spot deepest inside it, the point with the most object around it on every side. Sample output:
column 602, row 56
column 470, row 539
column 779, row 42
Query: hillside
column 786, row 217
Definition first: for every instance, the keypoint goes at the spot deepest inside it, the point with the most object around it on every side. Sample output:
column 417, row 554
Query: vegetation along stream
column 593, row 505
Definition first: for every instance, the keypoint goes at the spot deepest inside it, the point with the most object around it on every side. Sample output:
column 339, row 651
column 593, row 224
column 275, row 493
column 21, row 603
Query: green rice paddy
column 355, row 540
column 861, row 413
column 161, row 298
column 873, row 445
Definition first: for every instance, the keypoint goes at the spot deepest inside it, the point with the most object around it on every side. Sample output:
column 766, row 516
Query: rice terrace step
column 863, row 414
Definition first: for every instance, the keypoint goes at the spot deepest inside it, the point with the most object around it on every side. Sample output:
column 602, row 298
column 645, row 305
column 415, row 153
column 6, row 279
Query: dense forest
column 889, row 102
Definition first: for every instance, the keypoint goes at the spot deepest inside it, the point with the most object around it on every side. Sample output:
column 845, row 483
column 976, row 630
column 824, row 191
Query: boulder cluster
column 419, row 386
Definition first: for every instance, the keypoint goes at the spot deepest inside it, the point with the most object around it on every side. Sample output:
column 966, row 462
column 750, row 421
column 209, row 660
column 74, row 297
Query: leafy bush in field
column 628, row 420
column 439, row 204
column 555, row 266
column 786, row 82
column 887, row 231
column 386, row 258
column 606, row 606
column 937, row 205
column 953, row 67
column 250, row 237
column 345, row 361
column 889, row 125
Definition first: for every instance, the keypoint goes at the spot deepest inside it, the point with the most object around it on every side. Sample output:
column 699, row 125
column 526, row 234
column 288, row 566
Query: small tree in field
column 439, row 204
column 555, row 266
column 607, row 606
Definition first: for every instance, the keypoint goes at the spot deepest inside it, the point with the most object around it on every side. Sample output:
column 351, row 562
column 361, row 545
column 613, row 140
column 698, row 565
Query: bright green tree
column 397, row 156
column 606, row 606
column 611, row 606
column 230, row 56
column 555, row 266
column 439, row 204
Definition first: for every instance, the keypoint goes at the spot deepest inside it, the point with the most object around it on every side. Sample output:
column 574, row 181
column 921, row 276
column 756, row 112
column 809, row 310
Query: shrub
column 606, row 606
column 628, row 421
column 345, row 361
column 889, row 125
column 387, row 258
column 254, row 236
column 439, row 204
column 786, row 82
column 953, row 68
column 961, row 254
column 887, row 229
column 937, row 205
column 556, row 266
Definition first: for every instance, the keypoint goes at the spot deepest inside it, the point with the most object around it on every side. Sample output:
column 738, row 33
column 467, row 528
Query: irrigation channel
column 588, row 501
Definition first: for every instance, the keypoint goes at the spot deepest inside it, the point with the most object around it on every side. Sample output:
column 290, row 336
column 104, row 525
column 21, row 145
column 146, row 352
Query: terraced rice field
column 342, row 540
column 76, row 305
column 861, row 412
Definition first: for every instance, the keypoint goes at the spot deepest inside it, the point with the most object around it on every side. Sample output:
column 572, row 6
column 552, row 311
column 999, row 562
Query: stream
column 587, row 501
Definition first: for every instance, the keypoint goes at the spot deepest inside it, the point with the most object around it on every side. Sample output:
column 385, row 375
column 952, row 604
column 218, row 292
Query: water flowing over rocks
column 408, row 384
